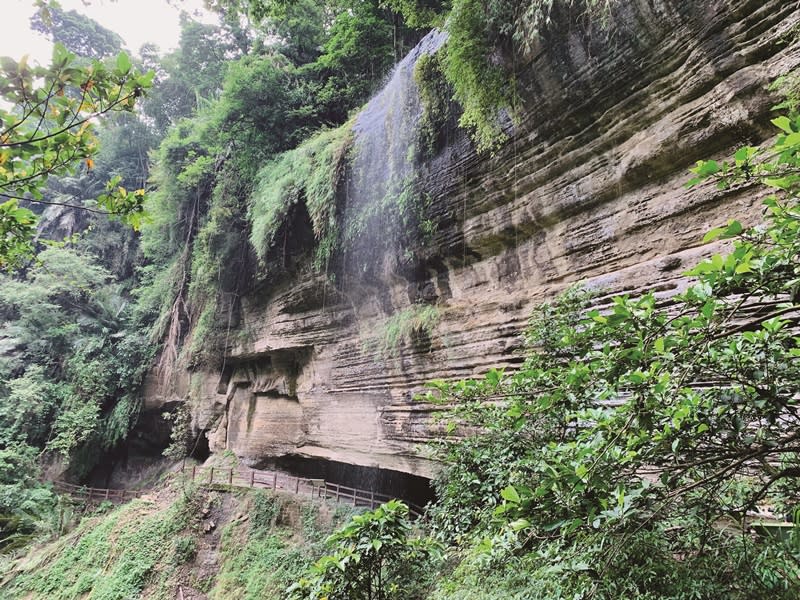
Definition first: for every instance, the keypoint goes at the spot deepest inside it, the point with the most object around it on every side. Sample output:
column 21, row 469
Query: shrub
column 657, row 426
column 375, row 558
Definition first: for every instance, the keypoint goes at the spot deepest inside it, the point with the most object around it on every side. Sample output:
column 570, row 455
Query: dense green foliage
column 263, row 556
column 130, row 541
column 71, row 371
column 309, row 174
column 78, row 33
column 263, row 134
column 118, row 554
column 71, row 360
column 48, row 129
column 440, row 111
column 191, row 75
column 25, row 505
column 375, row 558
column 637, row 453
column 259, row 543
column 643, row 442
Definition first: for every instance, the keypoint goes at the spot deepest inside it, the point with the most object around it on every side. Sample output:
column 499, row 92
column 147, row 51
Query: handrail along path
column 316, row 489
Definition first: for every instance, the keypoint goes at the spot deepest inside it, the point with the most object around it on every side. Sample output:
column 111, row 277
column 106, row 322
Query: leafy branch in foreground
column 375, row 558
column 47, row 129
column 675, row 421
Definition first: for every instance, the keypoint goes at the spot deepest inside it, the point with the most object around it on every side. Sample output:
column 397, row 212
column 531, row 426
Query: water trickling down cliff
column 589, row 187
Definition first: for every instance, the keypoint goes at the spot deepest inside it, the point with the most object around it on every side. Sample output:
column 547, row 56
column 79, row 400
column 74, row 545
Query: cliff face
column 589, row 187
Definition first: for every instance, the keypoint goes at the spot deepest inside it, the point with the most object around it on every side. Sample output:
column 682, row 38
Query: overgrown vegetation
column 642, row 445
column 69, row 374
column 311, row 174
column 485, row 41
column 440, row 111
column 375, row 557
column 283, row 100
column 263, row 556
column 46, row 127
column 643, row 450
column 414, row 326
column 150, row 547
column 81, row 326
column 110, row 557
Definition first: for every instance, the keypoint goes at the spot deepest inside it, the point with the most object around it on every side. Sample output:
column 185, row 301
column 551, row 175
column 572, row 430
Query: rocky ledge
column 589, row 187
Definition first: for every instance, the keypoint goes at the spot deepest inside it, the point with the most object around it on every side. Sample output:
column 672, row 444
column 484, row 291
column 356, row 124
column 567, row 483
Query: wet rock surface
column 589, row 187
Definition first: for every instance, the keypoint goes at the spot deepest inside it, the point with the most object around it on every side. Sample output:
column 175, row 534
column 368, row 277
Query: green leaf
column 734, row 228
column 705, row 168
column 781, row 183
column 146, row 80
column 793, row 139
column 519, row 524
column 510, row 494
column 123, row 62
column 554, row 526
column 783, row 123
column 493, row 377
column 744, row 155
column 713, row 234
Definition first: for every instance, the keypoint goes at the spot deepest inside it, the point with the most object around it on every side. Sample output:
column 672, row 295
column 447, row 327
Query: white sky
column 137, row 21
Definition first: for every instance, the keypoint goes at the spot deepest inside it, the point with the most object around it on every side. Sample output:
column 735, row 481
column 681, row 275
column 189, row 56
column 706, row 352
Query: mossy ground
column 209, row 544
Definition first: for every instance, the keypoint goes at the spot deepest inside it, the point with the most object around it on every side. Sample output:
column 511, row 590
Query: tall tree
column 194, row 72
column 78, row 33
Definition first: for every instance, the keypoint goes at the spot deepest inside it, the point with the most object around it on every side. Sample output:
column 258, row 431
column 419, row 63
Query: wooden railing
column 302, row 486
column 91, row 494
column 316, row 489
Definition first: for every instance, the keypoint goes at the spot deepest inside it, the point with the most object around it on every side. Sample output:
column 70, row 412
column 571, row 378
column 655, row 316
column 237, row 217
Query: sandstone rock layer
column 590, row 187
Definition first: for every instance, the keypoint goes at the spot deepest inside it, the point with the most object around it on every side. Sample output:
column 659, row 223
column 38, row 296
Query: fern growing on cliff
column 309, row 174
column 486, row 40
column 411, row 327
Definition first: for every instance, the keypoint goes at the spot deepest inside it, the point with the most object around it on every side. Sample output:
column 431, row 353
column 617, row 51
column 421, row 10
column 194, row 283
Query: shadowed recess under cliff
column 411, row 488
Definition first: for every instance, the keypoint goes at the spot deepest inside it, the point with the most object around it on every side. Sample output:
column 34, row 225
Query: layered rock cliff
column 589, row 187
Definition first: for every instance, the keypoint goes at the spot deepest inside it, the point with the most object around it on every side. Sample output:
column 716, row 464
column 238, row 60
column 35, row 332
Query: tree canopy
column 48, row 129
column 77, row 33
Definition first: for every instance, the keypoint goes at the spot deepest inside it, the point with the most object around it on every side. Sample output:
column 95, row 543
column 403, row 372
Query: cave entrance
column 200, row 450
column 412, row 488
column 137, row 457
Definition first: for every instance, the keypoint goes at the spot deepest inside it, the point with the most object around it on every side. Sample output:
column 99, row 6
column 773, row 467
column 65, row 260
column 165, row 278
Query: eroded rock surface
column 589, row 187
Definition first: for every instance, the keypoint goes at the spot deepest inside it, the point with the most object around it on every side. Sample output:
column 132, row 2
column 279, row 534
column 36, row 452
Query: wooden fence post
column 297, row 485
column 211, row 475
column 194, row 472
column 252, row 477
column 275, row 480
column 230, row 477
